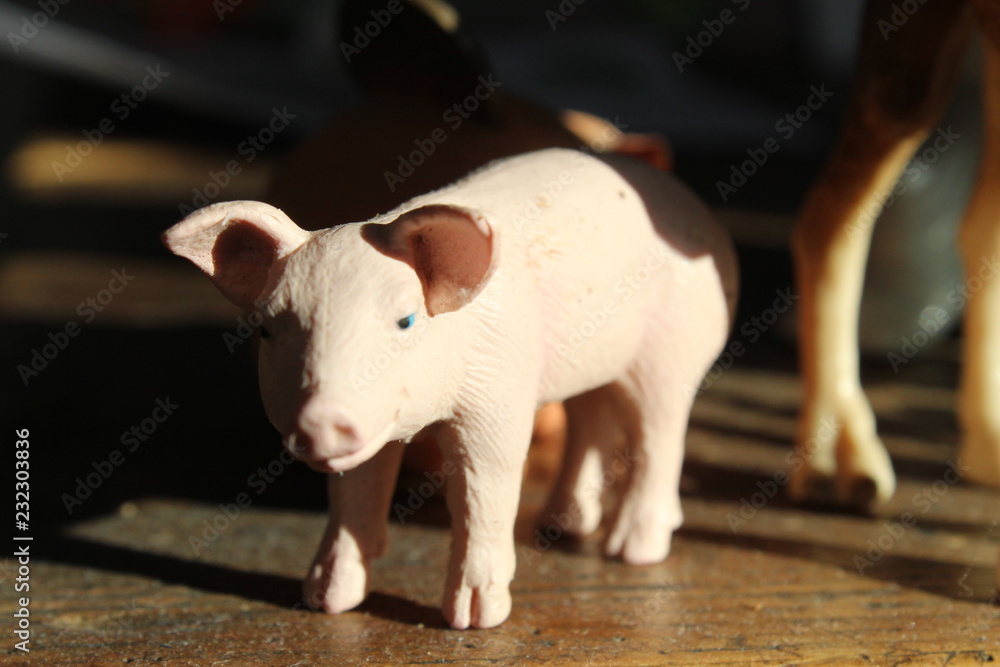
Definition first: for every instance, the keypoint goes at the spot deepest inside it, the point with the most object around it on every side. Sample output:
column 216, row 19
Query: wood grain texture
column 750, row 580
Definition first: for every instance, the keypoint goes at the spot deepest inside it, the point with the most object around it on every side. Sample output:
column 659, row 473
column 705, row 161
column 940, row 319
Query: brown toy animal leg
column 979, row 402
column 902, row 84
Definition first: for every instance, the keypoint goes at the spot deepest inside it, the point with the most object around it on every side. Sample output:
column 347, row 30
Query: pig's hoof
column 640, row 538
column 337, row 588
column 573, row 517
column 478, row 607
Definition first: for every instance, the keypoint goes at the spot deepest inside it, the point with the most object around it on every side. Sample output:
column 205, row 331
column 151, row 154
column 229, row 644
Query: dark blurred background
column 118, row 115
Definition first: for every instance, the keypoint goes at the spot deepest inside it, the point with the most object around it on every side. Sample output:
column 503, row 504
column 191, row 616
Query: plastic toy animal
column 907, row 69
column 409, row 80
column 548, row 276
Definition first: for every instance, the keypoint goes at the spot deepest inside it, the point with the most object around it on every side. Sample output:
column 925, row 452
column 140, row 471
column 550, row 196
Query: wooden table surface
column 143, row 578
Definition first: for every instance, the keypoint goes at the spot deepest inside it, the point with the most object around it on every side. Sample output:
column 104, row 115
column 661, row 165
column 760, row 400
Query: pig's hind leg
column 593, row 429
column 659, row 387
column 356, row 534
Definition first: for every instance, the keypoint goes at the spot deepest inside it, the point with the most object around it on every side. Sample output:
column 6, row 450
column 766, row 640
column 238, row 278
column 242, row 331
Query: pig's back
column 561, row 199
column 595, row 244
column 604, row 241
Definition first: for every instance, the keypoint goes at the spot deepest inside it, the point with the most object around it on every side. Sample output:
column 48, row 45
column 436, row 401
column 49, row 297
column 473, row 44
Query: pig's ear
column 450, row 249
column 236, row 243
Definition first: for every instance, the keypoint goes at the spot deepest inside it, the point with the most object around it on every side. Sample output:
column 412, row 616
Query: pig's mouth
column 344, row 462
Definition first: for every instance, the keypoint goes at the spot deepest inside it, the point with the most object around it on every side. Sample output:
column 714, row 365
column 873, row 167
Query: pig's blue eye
column 406, row 322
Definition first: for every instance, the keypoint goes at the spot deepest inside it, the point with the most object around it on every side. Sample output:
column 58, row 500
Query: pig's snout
column 321, row 428
column 325, row 434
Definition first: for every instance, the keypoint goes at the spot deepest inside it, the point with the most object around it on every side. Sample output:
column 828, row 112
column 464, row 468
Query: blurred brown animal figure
column 905, row 77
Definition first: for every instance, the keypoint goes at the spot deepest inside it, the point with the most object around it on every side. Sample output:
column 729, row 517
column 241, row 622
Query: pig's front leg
column 356, row 534
column 483, row 498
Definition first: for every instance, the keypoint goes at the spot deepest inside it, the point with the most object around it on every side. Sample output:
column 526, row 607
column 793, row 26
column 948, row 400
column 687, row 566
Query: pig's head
column 356, row 345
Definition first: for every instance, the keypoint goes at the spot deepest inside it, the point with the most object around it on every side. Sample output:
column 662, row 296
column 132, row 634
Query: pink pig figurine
column 548, row 276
